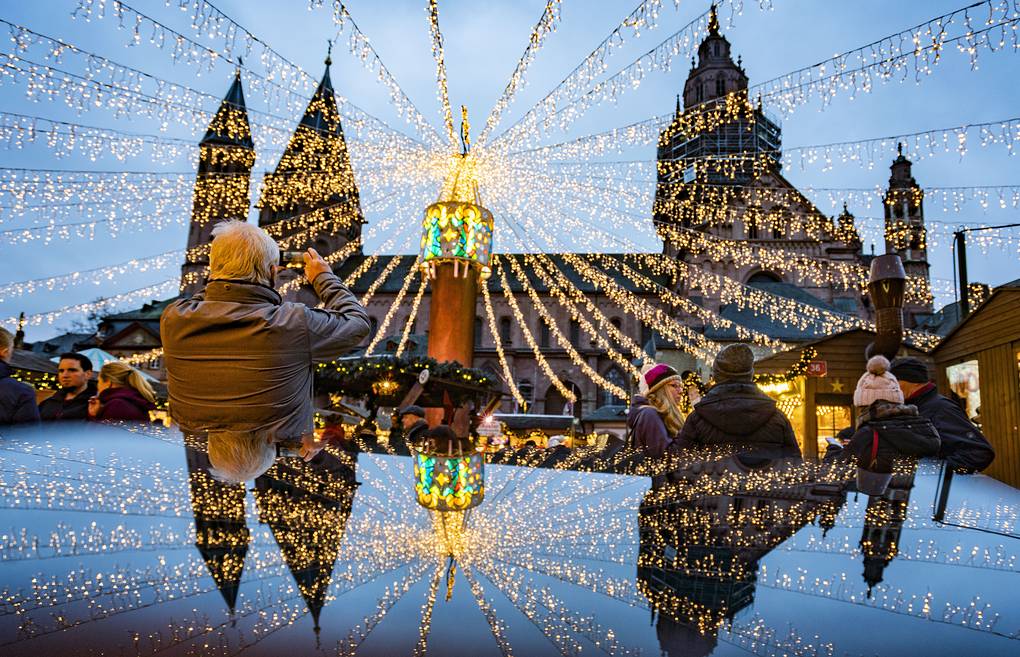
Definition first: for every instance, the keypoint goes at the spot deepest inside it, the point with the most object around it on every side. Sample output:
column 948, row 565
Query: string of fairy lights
column 526, row 178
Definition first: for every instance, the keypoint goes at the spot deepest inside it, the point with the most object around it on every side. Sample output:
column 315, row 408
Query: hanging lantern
column 449, row 480
column 459, row 231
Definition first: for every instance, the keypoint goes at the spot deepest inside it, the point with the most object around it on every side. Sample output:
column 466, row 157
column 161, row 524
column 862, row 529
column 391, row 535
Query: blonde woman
column 124, row 394
column 655, row 418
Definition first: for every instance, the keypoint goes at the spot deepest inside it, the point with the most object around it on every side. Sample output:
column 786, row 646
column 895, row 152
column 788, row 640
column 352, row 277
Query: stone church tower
column 905, row 234
column 226, row 156
column 719, row 177
column 311, row 199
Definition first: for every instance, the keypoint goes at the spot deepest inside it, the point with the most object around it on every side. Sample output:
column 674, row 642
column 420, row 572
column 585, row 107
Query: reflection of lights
column 776, row 388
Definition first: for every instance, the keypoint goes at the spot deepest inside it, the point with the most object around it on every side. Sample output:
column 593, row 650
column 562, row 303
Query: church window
column 720, row 87
column 575, row 333
column 752, row 230
column 504, row 330
column 543, row 335
column 617, row 378
column 699, row 94
column 715, row 49
column 527, row 390
column 478, row 331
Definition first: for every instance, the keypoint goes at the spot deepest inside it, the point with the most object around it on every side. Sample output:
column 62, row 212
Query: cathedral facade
column 721, row 198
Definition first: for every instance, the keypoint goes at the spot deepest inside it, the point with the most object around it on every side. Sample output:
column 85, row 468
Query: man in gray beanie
column 736, row 413
column 963, row 445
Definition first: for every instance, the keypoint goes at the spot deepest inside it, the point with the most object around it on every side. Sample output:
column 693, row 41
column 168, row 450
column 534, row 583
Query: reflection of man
column 963, row 445
column 71, row 402
column 412, row 421
column 239, row 359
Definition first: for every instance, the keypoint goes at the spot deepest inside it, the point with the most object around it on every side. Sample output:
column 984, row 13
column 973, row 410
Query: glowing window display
column 964, row 382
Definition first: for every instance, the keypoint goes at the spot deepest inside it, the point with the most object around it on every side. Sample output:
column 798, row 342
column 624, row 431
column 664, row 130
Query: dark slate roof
column 943, row 320
column 60, row 344
column 148, row 312
column 764, row 323
column 33, row 362
column 396, row 277
column 216, row 134
column 607, row 413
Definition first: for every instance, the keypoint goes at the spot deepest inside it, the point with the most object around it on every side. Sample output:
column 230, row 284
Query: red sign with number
column 817, row 368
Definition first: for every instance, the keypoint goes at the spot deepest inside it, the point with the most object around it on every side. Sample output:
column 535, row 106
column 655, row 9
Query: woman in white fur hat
column 887, row 428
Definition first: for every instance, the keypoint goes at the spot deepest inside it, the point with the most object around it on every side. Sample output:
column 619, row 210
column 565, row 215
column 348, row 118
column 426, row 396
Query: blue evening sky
column 483, row 43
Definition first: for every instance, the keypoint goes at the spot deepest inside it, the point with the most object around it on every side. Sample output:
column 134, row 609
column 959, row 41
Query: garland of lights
column 549, row 321
column 411, row 317
column 442, row 90
column 390, row 376
column 412, row 273
column 508, row 376
column 567, row 393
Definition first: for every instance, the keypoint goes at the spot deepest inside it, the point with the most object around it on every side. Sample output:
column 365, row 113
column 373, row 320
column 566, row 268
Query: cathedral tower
column 311, row 199
column 905, row 234
column 226, row 156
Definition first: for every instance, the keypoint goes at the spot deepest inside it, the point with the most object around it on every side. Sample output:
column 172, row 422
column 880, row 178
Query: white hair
column 6, row 339
column 242, row 251
column 238, row 456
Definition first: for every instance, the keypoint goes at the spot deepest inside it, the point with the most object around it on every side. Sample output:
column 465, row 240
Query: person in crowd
column 735, row 412
column 655, row 417
column 238, row 357
column 124, row 394
column 71, row 402
column 887, row 428
column 963, row 445
column 17, row 399
column 412, row 421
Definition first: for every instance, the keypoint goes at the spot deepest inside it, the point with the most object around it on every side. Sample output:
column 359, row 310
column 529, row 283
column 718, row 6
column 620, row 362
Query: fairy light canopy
column 555, row 188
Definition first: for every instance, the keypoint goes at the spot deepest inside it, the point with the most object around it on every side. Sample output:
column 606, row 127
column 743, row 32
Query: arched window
column 752, row 229
column 478, row 331
column 575, row 333
column 556, row 403
column 527, row 390
column 699, row 92
column 617, row 378
column 764, row 277
column 504, row 330
column 543, row 334
column 777, row 232
column 720, row 87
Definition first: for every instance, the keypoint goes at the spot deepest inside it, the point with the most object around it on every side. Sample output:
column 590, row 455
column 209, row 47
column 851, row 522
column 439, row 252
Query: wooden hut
column 979, row 361
column 820, row 403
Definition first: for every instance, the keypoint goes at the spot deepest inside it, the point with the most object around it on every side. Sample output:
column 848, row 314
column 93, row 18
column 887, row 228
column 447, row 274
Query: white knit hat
column 877, row 383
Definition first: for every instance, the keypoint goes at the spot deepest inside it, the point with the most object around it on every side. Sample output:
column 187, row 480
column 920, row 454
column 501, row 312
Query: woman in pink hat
column 655, row 417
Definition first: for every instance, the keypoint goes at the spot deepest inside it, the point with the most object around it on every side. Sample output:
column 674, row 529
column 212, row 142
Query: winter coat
column 56, row 407
column 124, row 403
column 239, row 358
column 739, row 415
column 647, row 429
column 17, row 399
column 963, row 447
column 901, row 431
column 415, row 435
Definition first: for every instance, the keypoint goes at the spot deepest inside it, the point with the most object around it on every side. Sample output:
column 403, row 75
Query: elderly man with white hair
column 240, row 360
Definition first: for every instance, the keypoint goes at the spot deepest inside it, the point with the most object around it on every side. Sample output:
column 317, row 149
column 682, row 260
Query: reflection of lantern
column 449, row 482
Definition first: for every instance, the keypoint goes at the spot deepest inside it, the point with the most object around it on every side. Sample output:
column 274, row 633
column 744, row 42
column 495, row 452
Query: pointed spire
column 230, row 127
column 713, row 21
column 679, row 110
column 322, row 114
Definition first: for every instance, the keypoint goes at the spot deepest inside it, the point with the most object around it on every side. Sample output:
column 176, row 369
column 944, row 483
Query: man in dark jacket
column 412, row 421
column 17, row 399
column 71, row 402
column 963, row 445
column 736, row 413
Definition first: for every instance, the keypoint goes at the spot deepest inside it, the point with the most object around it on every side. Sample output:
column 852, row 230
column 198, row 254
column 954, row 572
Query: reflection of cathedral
column 717, row 179
column 883, row 523
column 702, row 539
column 306, row 506
column 221, row 532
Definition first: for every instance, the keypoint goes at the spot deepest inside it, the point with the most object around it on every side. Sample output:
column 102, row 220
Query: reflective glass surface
column 118, row 541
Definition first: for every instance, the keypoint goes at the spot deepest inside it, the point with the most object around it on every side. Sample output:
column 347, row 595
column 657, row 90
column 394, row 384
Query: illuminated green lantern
column 457, row 230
